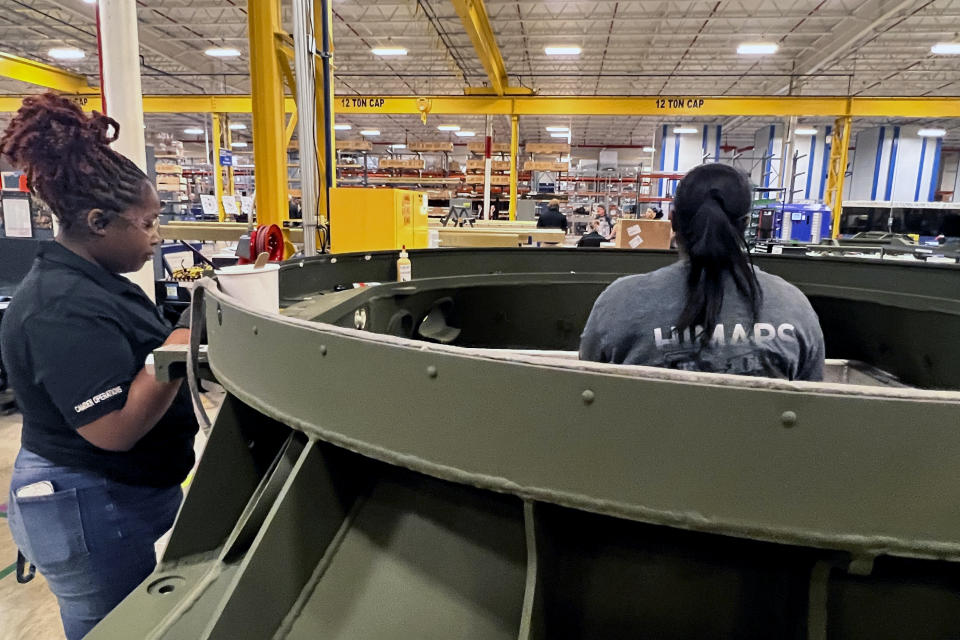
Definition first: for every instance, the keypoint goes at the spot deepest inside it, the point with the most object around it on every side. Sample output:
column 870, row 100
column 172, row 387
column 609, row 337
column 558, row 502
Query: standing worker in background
column 552, row 218
column 104, row 445
column 713, row 310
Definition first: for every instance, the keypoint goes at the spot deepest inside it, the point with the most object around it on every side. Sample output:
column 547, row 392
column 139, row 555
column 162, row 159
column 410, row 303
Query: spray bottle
column 404, row 268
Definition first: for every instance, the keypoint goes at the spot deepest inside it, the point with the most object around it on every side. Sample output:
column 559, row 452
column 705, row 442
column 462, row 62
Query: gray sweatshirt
column 632, row 322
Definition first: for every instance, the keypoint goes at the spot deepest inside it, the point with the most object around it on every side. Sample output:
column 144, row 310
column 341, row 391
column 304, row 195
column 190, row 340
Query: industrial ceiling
column 645, row 47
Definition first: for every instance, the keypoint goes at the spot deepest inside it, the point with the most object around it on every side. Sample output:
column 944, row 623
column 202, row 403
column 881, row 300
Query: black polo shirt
column 73, row 339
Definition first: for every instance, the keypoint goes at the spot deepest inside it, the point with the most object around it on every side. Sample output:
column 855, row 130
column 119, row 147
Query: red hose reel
column 267, row 238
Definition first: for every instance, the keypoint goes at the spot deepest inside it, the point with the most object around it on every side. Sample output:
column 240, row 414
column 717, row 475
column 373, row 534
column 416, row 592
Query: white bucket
column 257, row 288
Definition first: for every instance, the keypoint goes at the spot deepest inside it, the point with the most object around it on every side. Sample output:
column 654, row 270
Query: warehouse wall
column 894, row 163
column 678, row 153
column 767, row 149
column 811, row 177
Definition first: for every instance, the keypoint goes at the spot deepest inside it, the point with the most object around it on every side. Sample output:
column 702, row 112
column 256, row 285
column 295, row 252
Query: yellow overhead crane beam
column 664, row 106
column 473, row 15
column 43, row 75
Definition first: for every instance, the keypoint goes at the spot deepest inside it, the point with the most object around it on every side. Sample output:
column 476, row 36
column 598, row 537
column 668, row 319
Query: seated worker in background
column 552, row 218
column 603, row 220
column 592, row 238
column 613, row 216
column 712, row 310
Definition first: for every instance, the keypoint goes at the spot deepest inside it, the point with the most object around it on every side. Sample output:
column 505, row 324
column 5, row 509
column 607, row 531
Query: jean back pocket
column 48, row 529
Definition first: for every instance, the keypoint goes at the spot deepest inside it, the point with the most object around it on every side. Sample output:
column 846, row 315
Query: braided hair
column 67, row 157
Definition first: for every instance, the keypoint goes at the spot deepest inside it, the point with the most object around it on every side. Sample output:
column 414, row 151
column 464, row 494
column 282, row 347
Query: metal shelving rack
column 753, row 231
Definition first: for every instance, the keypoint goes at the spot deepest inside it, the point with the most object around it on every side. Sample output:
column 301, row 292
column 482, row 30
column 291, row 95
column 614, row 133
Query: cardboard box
column 539, row 165
column 643, row 234
column 427, row 147
column 496, row 147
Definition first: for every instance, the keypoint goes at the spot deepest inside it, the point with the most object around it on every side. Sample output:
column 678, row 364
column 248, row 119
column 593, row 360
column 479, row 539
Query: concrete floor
column 27, row 611
column 30, row 611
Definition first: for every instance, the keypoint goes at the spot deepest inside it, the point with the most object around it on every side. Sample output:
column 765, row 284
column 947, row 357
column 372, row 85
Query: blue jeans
column 92, row 539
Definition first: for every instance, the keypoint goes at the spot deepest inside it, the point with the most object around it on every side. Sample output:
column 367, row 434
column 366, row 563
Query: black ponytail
column 711, row 209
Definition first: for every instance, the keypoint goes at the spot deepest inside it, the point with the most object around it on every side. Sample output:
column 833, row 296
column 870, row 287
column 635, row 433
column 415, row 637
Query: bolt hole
column 166, row 585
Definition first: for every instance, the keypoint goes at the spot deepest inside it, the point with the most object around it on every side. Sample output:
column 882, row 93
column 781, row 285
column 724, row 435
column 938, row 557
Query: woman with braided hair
column 104, row 445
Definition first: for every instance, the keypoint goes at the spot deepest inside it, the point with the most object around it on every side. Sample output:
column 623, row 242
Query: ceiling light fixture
column 560, row 135
column 237, row 126
column 946, row 48
column 388, row 51
column 562, row 51
column 757, row 48
column 222, row 52
column 685, row 130
column 66, row 53
column 648, row 149
column 193, row 131
column 465, row 134
column 558, row 129
column 398, row 146
column 238, row 145
column 342, row 127
column 931, row 133
column 805, row 132
column 90, row 1
column 370, row 132
column 449, row 127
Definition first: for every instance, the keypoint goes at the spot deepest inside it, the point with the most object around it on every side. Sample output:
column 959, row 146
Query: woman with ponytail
column 713, row 310
column 104, row 445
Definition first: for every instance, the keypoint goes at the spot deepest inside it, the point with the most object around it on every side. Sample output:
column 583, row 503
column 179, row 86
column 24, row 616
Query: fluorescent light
column 193, row 131
column 66, row 53
column 398, row 146
column 465, row 134
column 757, row 48
column 237, row 126
column 931, row 133
column 389, row 51
column 370, row 132
column 648, row 149
column 560, row 135
column 558, row 129
column 946, row 48
column 90, row 1
column 342, row 127
column 222, row 52
column 805, row 132
column 562, row 51
column 685, row 130
column 238, row 145
column 449, row 127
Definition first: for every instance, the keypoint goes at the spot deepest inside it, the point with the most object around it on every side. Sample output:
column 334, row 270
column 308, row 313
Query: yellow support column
column 230, row 186
column 266, row 83
column 514, row 152
column 837, row 170
column 217, row 168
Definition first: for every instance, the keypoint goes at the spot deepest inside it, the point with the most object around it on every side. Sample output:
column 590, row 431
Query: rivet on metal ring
column 788, row 418
column 432, row 371
column 588, row 396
